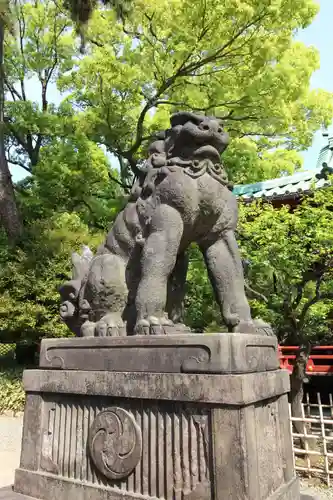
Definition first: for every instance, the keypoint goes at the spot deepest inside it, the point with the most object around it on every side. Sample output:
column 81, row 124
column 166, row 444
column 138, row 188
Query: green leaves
column 201, row 310
column 31, row 275
column 238, row 61
column 249, row 161
column 12, row 392
column 290, row 255
column 41, row 48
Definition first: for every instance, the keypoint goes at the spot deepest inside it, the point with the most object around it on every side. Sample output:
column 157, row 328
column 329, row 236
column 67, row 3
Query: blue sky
column 319, row 34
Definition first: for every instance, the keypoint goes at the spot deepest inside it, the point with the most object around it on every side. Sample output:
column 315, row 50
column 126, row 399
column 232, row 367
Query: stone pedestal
column 207, row 418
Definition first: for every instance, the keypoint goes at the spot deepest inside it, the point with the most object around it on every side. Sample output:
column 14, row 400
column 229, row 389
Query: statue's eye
column 220, row 130
column 205, row 126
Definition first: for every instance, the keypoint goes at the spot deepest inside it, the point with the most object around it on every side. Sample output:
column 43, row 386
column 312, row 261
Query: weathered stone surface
column 129, row 435
column 115, row 429
column 191, row 353
column 136, row 281
column 31, row 430
column 64, row 490
column 8, row 494
column 249, row 460
column 289, row 491
column 108, row 435
column 175, row 452
column 220, row 389
column 309, row 497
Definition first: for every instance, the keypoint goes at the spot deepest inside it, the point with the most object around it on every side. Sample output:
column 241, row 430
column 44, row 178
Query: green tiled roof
column 285, row 187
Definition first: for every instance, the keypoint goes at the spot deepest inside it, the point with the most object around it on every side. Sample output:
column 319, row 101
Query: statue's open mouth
column 208, row 151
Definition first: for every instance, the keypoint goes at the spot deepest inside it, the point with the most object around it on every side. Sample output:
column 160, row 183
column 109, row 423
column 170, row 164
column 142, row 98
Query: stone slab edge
column 7, row 493
column 221, row 389
column 189, row 353
column 37, row 484
column 288, row 491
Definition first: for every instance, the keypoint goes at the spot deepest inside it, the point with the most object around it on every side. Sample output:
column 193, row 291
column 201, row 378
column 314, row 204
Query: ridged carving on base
column 173, row 463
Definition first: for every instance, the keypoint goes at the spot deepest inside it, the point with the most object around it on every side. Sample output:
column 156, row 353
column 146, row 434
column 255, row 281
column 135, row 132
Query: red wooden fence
column 320, row 361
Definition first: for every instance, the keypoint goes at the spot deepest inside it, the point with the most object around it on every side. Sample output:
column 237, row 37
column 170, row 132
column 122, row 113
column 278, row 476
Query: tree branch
column 139, row 127
column 255, row 293
column 184, row 70
column 95, row 42
column 126, row 187
column 229, row 116
column 317, row 298
column 151, row 27
column 86, row 204
column 21, row 39
column 35, row 152
column 19, row 139
column 218, row 53
column 298, row 298
column 14, row 93
column 19, row 164
column 135, row 34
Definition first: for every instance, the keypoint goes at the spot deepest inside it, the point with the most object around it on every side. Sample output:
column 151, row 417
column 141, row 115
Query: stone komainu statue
column 135, row 282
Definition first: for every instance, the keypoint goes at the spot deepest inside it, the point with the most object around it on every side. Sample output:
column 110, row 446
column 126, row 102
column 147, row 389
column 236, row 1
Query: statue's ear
column 183, row 117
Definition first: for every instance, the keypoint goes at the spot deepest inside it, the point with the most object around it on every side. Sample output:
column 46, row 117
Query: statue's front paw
column 263, row 328
column 244, row 327
column 111, row 325
column 88, row 329
column 154, row 325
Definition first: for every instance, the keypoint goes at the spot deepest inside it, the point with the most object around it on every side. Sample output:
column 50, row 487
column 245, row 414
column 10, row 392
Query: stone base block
column 100, row 435
column 8, row 494
column 41, row 483
column 181, row 353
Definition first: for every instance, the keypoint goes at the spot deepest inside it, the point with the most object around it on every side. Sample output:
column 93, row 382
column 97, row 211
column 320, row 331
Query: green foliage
column 41, row 47
column 11, row 390
column 7, row 352
column 248, row 161
column 201, row 311
column 31, row 275
column 235, row 60
column 47, row 140
column 73, row 175
column 290, row 265
column 239, row 62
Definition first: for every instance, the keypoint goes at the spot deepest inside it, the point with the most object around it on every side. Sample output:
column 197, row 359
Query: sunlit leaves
column 291, row 262
column 31, row 275
column 235, row 59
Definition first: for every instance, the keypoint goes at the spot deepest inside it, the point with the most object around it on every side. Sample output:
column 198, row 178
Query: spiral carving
column 115, row 443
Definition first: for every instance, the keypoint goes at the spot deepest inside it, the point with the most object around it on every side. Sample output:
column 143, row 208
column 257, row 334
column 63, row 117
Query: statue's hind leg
column 226, row 274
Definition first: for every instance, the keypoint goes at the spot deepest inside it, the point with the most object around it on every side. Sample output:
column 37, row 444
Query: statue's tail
column 70, row 291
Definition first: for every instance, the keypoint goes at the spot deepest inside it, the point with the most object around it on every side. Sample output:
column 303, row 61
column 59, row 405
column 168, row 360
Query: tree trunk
column 297, row 391
column 9, row 215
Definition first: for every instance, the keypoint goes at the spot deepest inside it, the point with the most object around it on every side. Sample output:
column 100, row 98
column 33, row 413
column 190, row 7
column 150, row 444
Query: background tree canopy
column 143, row 60
column 290, row 274
column 236, row 60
